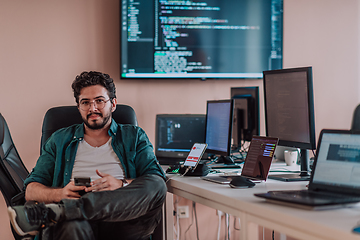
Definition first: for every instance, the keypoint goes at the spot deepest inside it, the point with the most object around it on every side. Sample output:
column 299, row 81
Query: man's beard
column 96, row 125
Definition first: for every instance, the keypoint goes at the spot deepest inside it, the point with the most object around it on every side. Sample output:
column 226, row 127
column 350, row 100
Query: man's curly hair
column 86, row 79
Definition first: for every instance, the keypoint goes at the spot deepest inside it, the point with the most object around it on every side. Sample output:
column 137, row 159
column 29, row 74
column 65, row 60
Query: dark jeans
column 127, row 213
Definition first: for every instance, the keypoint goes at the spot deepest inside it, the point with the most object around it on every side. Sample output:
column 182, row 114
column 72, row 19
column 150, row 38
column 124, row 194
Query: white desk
column 253, row 211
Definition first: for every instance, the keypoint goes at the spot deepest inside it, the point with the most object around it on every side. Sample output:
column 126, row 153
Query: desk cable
column 186, row 171
column 177, row 228
column 192, row 221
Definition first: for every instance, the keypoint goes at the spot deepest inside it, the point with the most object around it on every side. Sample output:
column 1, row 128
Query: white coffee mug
column 290, row 157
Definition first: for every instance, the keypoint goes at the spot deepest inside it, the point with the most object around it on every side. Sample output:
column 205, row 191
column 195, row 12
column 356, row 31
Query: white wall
column 45, row 44
column 325, row 35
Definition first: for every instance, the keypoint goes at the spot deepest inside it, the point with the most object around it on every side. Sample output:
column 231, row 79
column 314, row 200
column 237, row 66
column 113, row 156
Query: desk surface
column 303, row 224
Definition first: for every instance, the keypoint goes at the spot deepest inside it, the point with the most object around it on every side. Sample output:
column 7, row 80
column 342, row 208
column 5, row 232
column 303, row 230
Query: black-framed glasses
column 98, row 103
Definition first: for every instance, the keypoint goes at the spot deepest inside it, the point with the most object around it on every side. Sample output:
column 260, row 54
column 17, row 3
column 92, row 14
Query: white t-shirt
column 103, row 158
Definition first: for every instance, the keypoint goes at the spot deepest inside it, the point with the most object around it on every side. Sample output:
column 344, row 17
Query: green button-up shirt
column 130, row 143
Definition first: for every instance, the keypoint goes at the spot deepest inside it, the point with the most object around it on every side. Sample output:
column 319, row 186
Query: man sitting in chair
column 127, row 190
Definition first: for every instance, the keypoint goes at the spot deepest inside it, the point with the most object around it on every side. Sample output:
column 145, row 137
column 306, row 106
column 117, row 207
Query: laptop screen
column 338, row 160
column 259, row 157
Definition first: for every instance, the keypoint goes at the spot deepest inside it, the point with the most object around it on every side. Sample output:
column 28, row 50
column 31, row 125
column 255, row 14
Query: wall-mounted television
column 200, row 39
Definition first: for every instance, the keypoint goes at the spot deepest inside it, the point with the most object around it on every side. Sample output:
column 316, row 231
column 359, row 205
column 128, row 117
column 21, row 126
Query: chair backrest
column 12, row 170
column 65, row 116
column 355, row 125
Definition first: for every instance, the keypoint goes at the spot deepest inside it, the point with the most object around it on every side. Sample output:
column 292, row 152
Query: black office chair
column 12, row 172
column 355, row 125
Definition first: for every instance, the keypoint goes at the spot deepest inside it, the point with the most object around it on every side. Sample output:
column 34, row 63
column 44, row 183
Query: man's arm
column 145, row 159
column 106, row 183
column 38, row 192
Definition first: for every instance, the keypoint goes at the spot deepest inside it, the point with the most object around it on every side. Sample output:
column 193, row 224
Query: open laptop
column 335, row 179
column 257, row 163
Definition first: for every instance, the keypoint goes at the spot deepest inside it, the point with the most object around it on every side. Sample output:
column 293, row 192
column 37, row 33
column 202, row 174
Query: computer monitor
column 246, row 115
column 175, row 135
column 289, row 112
column 218, row 128
column 200, row 39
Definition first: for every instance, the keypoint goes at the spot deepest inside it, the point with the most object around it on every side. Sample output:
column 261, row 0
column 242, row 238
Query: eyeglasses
column 98, row 103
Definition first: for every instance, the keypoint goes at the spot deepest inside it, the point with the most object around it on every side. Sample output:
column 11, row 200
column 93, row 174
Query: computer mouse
column 241, row 182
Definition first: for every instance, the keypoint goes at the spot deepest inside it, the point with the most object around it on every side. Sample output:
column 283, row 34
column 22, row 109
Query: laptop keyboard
column 311, row 195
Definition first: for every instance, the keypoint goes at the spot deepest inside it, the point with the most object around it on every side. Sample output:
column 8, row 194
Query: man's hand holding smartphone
column 82, row 181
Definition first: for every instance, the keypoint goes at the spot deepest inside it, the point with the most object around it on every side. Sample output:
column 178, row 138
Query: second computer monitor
column 219, row 126
column 289, row 106
column 246, row 122
column 289, row 111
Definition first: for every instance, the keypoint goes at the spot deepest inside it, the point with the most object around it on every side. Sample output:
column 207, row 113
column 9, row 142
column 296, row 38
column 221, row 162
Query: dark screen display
column 219, row 126
column 200, row 39
column 246, row 121
column 259, row 157
column 180, row 133
column 176, row 134
column 289, row 107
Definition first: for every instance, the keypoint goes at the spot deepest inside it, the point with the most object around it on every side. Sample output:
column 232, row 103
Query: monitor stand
column 304, row 170
column 225, row 162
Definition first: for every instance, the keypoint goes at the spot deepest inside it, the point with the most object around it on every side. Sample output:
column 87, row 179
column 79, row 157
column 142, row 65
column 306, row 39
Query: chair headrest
column 65, row 116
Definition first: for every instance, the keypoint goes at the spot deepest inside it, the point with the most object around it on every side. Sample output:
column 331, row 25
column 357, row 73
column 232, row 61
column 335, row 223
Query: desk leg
column 169, row 217
column 252, row 231
column 249, row 230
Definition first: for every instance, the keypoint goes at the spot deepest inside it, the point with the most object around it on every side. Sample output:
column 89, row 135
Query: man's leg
column 137, row 229
column 69, row 230
column 132, row 212
column 142, row 198
column 144, row 195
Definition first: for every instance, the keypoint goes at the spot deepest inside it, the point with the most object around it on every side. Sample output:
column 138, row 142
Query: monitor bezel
column 311, row 145
column 228, row 150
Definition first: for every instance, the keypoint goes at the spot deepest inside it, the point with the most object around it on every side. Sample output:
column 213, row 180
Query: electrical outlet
column 183, row 211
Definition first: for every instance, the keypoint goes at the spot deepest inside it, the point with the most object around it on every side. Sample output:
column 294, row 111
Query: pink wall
column 45, row 44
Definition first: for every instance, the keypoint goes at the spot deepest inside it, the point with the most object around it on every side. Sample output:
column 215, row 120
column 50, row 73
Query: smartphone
column 82, row 181
column 195, row 155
